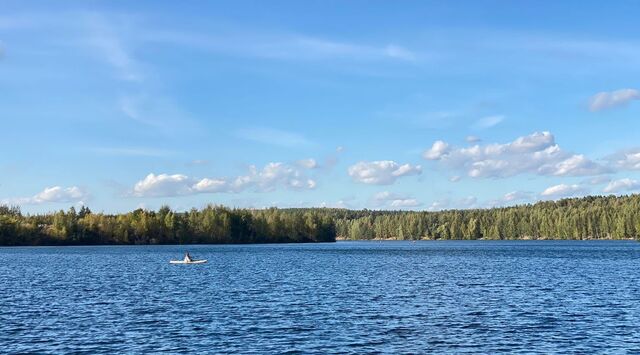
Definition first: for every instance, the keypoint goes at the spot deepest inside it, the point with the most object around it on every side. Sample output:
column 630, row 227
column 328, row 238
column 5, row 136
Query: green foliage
column 213, row 224
column 593, row 217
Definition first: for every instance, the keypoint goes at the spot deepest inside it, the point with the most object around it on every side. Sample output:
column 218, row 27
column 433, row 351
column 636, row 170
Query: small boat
column 187, row 261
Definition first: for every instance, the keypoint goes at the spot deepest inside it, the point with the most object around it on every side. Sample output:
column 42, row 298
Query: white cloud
column 340, row 204
column 384, row 172
column 308, row 163
column 625, row 160
column 447, row 203
column 439, row 205
column 509, row 199
column 625, row 184
column 604, row 100
column 516, row 196
column 490, row 121
column 388, row 199
column 210, row 185
column 269, row 178
column 536, row 153
column 162, row 185
column 54, row 194
column 575, row 165
column 564, row 190
column 437, row 151
column 404, row 203
column 273, row 137
column 455, row 178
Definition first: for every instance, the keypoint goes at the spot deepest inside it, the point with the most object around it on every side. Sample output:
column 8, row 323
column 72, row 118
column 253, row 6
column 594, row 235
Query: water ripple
column 353, row 298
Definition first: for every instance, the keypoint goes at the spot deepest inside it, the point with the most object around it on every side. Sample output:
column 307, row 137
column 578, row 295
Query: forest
column 211, row 225
column 593, row 217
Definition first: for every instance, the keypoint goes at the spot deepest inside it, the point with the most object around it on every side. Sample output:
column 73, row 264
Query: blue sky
column 383, row 105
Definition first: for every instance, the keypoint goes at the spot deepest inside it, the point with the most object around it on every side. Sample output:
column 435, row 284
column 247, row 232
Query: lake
column 346, row 297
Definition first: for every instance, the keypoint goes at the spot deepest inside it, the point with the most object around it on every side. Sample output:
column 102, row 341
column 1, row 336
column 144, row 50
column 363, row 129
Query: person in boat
column 187, row 257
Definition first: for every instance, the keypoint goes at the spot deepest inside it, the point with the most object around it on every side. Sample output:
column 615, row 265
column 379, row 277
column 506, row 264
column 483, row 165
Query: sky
column 413, row 105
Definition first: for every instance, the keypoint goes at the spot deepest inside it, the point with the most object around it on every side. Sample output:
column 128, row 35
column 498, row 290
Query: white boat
column 187, row 261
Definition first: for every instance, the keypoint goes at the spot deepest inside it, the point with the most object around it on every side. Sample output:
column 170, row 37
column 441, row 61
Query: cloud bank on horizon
column 120, row 105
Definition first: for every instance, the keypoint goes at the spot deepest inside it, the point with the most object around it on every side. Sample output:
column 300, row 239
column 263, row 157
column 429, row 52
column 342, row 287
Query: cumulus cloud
column 605, row 100
column 447, row 203
column 536, row 153
column 386, row 199
column 516, row 196
column 345, row 204
column 438, row 150
column 622, row 185
column 52, row 194
column 269, row 178
column 455, row 178
column 625, row 160
column 509, row 198
column 383, row 172
column 564, row 190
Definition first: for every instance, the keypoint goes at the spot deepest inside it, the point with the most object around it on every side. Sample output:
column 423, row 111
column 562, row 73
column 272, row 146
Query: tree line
column 211, row 225
column 593, row 217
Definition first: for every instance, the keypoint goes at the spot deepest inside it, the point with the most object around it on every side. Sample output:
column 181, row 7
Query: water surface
column 347, row 297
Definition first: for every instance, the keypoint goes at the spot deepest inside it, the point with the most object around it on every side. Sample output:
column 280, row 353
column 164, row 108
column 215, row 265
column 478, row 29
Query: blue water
column 346, row 297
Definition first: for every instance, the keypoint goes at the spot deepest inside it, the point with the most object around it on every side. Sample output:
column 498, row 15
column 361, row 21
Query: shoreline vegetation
column 592, row 217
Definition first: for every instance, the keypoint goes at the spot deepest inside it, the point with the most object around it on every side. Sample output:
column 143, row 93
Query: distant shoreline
column 341, row 239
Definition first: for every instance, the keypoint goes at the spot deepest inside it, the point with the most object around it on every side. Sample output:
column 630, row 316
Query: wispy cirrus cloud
column 156, row 111
column 489, row 121
column 273, row 136
column 103, row 36
column 133, row 151
column 606, row 100
column 278, row 45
